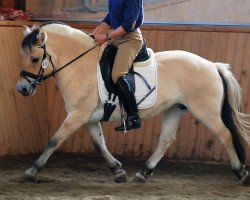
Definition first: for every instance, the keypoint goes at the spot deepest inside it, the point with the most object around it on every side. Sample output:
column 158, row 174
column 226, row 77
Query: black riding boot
column 126, row 94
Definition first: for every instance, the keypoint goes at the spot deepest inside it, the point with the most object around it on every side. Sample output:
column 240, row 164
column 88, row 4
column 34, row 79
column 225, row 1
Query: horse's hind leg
column 218, row 128
column 209, row 113
column 72, row 122
column 114, row 165
column 167, row 137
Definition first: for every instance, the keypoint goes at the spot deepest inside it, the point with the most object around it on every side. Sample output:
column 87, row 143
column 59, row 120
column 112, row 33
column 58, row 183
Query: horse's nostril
column 24, row 90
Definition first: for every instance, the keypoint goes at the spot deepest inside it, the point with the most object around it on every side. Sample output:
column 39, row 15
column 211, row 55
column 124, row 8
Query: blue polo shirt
column 125, row 13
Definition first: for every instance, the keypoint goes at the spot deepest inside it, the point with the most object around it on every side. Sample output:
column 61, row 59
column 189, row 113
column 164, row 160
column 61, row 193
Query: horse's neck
column 68, row 47
column 78, row 79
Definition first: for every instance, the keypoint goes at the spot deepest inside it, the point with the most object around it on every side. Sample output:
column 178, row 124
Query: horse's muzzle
column 25, row 88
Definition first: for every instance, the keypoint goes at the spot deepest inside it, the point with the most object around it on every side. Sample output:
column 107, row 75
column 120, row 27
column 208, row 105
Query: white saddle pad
column 149, row 71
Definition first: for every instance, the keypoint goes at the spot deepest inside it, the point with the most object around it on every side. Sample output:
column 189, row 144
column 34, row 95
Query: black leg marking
column 243, row 175
column 146, row 171
column 119, row 173
column 142, row 175
column 116, row 169
column 52, row 143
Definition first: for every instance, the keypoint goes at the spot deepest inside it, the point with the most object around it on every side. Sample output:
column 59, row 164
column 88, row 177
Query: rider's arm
column 119, row 32
column 102, row 38
column 132, row 11
column 101, row 29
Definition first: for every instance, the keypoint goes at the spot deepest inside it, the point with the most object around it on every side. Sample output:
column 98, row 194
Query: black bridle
column 40, row 77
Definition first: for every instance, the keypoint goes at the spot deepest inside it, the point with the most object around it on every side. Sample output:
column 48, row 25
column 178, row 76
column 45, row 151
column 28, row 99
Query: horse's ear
column 42, row 38
column 26, row 30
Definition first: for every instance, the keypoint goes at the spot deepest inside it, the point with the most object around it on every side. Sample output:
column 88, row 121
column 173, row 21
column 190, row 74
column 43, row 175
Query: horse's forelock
column 30, row 40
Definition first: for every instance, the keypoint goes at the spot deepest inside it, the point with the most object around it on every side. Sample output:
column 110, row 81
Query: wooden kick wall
column 28, row 122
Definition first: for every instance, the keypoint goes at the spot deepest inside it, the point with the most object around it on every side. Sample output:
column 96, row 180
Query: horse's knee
column 167, row 139
column 52, row 143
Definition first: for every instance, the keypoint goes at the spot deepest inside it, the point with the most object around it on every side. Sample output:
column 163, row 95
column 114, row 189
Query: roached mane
column 61, row 28
column 30, row 39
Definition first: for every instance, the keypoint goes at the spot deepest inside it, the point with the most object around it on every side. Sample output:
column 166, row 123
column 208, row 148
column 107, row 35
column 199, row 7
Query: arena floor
column 73, row 177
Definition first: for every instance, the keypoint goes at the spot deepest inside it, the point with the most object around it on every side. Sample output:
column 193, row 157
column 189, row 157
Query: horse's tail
column 231, row 113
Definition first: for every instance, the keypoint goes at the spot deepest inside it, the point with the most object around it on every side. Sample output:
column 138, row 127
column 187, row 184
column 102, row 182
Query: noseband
column 39, row 78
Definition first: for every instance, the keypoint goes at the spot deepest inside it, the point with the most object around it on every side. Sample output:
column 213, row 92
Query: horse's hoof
column 245, row 181
column 138, row 178
column 121, row 177
column 29, row 176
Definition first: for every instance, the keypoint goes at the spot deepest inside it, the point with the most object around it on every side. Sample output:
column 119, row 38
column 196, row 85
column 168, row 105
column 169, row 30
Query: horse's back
column 179, row 64
column 184, row 59
column 185, row 78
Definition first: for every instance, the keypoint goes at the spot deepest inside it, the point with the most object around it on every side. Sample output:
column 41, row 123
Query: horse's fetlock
column 30, row 175
column 120, row 176
column 146, row 171
column 243, row 175
column 116, row 170
column 240, row 172
column 37, row 167
column 119, row 173
column 31, row 171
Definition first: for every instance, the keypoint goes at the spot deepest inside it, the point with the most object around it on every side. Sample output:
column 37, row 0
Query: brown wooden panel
column 23, row 121
column 27, row 123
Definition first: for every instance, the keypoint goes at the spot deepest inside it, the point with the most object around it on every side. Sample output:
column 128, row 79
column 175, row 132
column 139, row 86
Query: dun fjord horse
column 215, row 99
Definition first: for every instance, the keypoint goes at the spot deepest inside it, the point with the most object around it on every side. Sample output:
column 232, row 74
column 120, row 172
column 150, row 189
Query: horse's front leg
column 72, row 122
column 114, row 165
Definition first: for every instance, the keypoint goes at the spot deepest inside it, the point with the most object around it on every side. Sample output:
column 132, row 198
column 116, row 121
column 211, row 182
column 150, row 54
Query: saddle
column 106, row 65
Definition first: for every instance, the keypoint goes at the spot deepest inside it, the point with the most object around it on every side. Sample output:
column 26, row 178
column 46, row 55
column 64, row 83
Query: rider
column 120, row 27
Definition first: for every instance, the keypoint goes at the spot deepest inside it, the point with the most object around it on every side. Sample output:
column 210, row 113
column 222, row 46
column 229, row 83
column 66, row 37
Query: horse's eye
column 34, row 59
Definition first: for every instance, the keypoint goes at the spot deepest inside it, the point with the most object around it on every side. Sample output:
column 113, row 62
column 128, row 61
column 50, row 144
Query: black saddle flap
column 106, row 66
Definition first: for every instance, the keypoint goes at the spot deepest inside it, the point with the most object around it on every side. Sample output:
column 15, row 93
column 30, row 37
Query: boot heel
column 136, row 123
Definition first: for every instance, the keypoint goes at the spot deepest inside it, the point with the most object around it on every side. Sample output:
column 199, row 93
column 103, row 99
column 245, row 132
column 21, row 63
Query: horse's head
column 35, row 60
column 36, row 52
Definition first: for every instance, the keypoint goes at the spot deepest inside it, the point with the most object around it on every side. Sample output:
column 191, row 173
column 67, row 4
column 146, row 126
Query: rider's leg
column 126, row 94
column 126, row 53
column 128, row 48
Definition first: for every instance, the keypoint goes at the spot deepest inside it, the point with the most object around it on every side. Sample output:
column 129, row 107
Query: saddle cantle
column 141, row 75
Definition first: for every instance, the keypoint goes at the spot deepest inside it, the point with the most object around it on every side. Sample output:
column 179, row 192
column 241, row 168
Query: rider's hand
column 100, row 38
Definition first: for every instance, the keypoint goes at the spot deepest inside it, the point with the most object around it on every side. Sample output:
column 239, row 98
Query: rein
column 39, row 78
